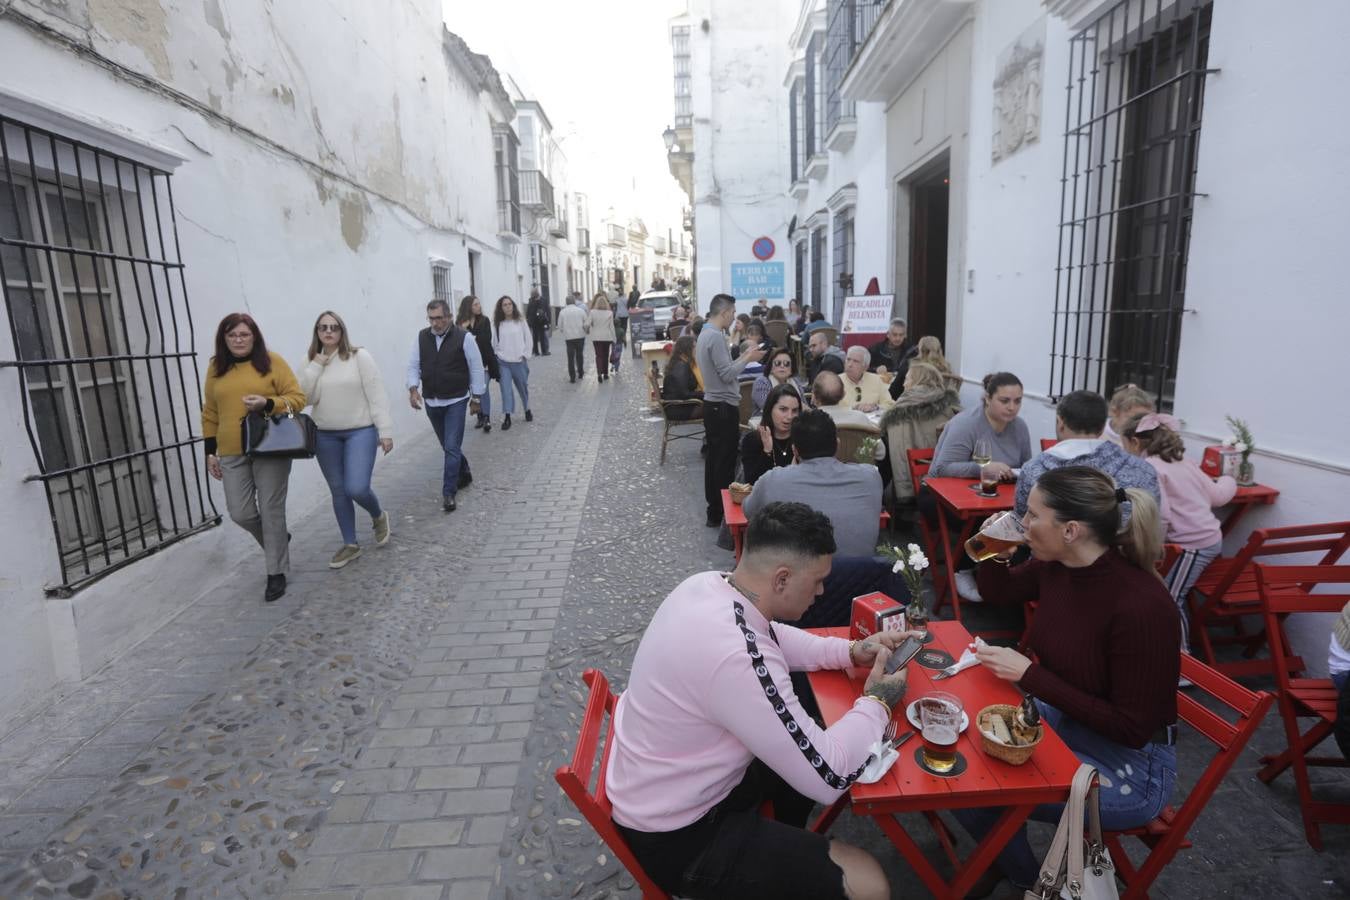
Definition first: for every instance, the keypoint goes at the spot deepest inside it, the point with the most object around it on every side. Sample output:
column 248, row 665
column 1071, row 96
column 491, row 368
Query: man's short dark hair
column 719, row 304
column 443, row 306
column 790, row 528
column 827, row 389
column 1083, row 412
column 814, row 435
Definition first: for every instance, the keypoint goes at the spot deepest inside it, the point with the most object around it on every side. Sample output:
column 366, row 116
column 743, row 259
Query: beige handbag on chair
column 1075, row 868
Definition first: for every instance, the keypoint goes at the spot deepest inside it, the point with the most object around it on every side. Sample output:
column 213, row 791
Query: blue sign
column 751, row 281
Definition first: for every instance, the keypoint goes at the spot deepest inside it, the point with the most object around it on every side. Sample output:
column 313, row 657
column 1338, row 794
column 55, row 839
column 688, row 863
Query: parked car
column 662, row 304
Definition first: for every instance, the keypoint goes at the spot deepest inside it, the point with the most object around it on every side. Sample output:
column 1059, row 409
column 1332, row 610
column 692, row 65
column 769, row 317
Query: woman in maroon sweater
column 1106, row 653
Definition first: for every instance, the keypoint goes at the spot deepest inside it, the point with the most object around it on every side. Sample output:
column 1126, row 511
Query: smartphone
column 903, row 654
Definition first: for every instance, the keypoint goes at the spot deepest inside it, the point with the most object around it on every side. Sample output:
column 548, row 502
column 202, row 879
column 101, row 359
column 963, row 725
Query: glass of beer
column 999, row 537
column 988, row 482
column 940, row 724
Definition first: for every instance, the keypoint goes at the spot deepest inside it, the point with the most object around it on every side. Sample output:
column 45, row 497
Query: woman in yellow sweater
column 244, row 377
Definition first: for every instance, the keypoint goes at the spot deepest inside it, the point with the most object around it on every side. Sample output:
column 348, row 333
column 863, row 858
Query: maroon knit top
column 1106, row 642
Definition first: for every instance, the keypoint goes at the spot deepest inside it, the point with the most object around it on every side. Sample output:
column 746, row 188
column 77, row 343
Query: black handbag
column 288, row 435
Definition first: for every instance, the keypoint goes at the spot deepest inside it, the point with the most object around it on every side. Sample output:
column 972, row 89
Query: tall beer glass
column 999, row 537
column 940, row 721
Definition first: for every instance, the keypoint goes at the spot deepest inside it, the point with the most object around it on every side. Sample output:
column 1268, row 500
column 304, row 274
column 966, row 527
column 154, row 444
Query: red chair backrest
column 920, row 461
column 1286, row 589
column 1331, row 537
column 575, row 779
column 1047, row 443
column 1169, row 558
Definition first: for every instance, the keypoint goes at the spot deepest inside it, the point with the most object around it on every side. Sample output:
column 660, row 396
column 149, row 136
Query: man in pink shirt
column 710, row 727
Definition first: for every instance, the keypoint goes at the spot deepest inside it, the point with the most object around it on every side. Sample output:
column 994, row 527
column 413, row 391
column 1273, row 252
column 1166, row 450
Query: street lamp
column 670, row 137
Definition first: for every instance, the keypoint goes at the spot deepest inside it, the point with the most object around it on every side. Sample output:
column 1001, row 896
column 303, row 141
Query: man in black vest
column 447, row 365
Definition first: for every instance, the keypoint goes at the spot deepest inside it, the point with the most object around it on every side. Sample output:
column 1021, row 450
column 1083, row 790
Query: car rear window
column 657, row 302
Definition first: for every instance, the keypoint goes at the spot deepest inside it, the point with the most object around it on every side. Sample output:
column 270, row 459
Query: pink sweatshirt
column 1188, row 497
column 705, row 698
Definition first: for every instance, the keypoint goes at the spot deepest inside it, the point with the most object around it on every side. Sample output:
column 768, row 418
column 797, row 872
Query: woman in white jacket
column 351, row 410
column 601, row 321
column 511, row 343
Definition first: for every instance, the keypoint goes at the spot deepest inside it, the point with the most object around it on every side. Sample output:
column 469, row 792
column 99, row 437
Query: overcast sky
column 602, row 71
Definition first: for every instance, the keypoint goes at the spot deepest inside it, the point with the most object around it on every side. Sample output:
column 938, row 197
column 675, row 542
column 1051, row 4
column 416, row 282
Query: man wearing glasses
column 446, row 363
column 863, row 390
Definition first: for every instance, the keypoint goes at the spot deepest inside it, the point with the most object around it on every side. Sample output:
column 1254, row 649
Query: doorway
column 928, row 215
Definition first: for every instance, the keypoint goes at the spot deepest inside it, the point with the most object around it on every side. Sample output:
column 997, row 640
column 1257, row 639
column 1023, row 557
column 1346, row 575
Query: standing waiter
column 721, row 401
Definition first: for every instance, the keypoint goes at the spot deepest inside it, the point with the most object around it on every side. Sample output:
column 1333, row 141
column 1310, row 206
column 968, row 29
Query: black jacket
column 536, row 312
column 482, row 334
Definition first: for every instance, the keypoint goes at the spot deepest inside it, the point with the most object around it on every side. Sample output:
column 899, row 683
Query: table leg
column 1234, row 516
column 975, row 865
column 737, row 536
column 945, row 536
column 831, row 813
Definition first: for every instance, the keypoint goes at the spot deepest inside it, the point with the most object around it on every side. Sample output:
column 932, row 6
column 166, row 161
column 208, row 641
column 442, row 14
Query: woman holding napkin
column 1105, row 647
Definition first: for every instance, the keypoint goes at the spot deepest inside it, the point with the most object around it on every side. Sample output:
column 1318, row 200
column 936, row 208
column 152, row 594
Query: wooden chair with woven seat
column 1227, row 591
column 1166, row 834
column 777, row 332
column 747, row 405
column 831, row 333
column 674, row 330
column 851, row 439
column 691, row 409
column 1285, row 590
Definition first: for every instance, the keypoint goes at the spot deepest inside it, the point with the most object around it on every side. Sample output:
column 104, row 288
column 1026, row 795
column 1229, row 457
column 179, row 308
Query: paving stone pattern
column 391, row 730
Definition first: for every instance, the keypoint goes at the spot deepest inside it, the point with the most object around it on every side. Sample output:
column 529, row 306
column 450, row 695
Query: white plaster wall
column 740, row 136
column 930, row 116
column 368, row 96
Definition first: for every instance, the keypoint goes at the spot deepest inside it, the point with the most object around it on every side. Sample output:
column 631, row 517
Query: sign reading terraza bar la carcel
column 755, row 281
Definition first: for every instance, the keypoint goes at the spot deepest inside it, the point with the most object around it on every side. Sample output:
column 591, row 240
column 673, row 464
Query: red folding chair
column 1285, row 590
column 1047, row 443
column 575, row 779
column 920, row 460
column 1166, row 834
column 1227, row 591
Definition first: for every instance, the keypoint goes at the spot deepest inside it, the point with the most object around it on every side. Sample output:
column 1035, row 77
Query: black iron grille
column 103, row 341
column 1132, row 129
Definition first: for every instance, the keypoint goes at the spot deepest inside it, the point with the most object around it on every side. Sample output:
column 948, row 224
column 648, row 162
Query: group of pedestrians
column 605, row 321
column 447, row 373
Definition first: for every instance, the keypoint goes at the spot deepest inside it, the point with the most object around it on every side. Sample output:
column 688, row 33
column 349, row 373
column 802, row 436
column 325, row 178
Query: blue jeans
column 485, row 401
column 448, row 421
column 1135, row 786
column 517, row 373
column 347, row 459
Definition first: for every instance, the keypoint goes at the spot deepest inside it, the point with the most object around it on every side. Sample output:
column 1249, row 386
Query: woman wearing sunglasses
column 780, row 368
column 351, row 411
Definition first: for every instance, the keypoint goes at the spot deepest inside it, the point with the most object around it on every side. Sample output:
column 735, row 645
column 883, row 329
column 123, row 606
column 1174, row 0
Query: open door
column 928, row 252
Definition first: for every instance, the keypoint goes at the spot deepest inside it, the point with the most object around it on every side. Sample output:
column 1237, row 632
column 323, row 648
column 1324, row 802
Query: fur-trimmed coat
column 914, row 423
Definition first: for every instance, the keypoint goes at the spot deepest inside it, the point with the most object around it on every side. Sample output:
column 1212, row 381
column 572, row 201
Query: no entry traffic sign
column 763, row 248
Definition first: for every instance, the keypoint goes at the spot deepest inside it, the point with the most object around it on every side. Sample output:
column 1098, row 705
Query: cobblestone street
column 390, row 730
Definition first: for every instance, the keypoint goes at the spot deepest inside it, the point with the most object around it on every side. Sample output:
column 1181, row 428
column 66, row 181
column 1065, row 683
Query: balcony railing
column 508, row 217
column 558, row 228
column 660, row 246
column 536, row 191
column 866, row 13
column 583, row 240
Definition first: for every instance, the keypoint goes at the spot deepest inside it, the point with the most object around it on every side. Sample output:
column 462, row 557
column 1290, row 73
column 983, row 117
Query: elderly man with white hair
column 863, row 390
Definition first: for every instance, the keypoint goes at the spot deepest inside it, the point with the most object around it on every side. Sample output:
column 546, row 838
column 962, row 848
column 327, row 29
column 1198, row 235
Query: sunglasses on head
column 859, row 390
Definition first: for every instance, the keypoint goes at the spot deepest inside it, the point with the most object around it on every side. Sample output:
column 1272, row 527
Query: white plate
column 912, row 714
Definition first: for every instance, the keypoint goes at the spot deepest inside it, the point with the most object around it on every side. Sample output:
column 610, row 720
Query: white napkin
column 879, row 764
column 968, row 658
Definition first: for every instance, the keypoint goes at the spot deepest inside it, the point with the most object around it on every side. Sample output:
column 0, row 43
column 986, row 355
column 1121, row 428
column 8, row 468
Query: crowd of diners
column 711, row 725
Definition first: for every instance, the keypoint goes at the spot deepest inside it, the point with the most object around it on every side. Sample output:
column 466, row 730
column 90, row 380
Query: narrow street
column 390, row 730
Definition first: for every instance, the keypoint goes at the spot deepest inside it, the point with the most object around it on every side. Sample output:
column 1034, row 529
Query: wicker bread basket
column 1006, row 752
column 738, row 492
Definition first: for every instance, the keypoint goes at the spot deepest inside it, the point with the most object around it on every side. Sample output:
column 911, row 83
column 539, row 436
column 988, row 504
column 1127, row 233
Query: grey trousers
column 255, row 495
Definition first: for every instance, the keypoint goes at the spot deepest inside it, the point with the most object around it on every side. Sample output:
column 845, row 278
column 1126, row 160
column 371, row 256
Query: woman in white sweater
column 511, row 343
column 351, row 410
column 601, row 320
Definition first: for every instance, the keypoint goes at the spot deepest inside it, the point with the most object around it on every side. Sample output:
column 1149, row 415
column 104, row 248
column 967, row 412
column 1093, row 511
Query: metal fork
column 887, row 735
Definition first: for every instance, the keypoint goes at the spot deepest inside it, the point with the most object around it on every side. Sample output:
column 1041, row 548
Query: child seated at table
column 1188, row 498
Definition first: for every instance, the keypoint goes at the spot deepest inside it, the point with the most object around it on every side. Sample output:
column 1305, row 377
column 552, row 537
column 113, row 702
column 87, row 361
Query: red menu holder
column 875, row 612
column 1220, row 460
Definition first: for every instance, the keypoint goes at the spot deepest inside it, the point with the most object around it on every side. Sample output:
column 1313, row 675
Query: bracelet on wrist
column 884, row 705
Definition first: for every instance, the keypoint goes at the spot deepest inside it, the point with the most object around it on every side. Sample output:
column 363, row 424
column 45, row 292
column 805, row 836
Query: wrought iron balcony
column 558, row 228
column 536, row 192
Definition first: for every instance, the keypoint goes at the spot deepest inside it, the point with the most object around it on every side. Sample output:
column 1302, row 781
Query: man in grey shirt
column 721, row 401
column 850, row 494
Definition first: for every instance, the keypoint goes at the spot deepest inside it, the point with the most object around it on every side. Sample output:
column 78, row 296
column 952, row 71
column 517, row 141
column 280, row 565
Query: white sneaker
column 967, row 587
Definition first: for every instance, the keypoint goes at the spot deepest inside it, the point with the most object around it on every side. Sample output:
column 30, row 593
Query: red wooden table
column 1245, row 499
column 1045, row 778
column 736, row 521
column 971, row 508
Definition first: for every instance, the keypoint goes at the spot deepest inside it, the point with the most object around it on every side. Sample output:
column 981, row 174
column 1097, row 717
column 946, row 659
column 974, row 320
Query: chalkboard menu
column 641, row 327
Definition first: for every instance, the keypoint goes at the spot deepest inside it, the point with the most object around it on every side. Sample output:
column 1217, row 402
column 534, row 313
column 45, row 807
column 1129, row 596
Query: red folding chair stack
column 575, row 779
column 1285, row 590
column 1166, row 834
column 1227, row 591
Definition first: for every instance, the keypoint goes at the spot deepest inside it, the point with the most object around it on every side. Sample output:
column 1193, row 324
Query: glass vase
column 1246, row 473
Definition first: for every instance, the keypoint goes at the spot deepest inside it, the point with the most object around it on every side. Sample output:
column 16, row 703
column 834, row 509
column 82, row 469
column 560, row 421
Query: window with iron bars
column 843, row 258
column 440, row 281
column 840, row 33
column 1135, row 98
column 507, row 150
column 103, row 348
